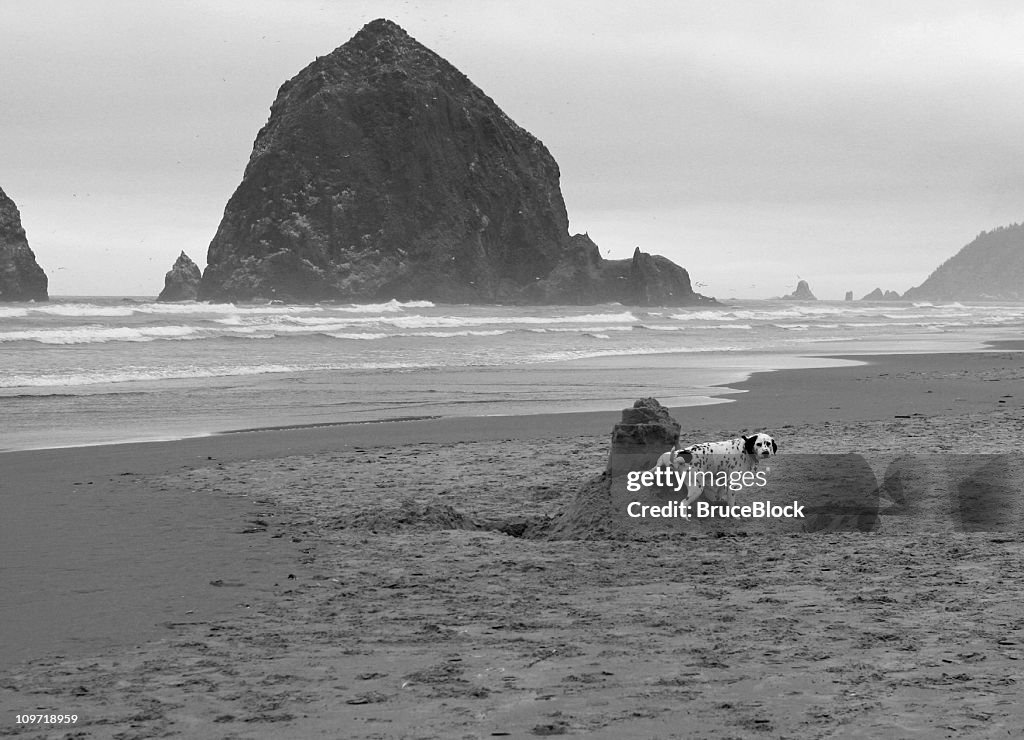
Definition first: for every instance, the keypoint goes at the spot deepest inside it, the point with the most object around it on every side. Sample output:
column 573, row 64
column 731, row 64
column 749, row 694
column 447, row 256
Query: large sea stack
column 383, row 173
column 989, row 268
column 21, row 278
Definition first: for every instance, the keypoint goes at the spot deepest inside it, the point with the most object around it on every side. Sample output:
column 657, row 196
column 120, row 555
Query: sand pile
column 598, row 508
column 590, row 514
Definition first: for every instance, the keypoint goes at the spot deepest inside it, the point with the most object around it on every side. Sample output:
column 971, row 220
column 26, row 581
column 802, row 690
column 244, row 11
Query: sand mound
column 589, row 515
column 597, row 511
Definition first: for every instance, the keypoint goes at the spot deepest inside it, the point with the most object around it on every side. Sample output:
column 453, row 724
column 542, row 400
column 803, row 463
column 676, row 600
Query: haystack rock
column 384, row 173
column 849, row 295
column 802, row 293
column 181, row 283
column 989, row 268
column 21, row 278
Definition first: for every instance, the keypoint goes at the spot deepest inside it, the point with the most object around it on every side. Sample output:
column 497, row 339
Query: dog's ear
column 748, row 444
column 775, row 447
column 686, row 455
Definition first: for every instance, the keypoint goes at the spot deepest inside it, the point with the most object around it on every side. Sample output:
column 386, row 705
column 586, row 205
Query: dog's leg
column 692, row 494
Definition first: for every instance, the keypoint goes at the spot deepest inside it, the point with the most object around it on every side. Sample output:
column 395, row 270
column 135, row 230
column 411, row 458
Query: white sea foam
column 93, row 334
column 80, row 309
column 428, row 334
column 414, row 321
column 150, row 374
column 124, row 375
column 150, row 322
column 586, row 354
column 862, row 325
column 820, row 340
column 362, row 336
column 719, row 327
column 451, row 334
column 576, row 329
column 201, row 308
column 391, row 306
column 722, row 315
column 243, row 309
column 262, row 326
column 425, row 322
column 772, row 313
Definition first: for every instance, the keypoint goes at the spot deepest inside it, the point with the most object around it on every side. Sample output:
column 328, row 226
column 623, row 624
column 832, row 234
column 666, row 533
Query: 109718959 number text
column 45, row 719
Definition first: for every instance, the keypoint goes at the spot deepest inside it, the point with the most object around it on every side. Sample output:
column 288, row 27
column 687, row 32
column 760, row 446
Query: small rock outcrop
column 878, row 295
column 849, row 296
column 384, row 173
column 181, row 283
column 989, row 268
column 21, row 277
column 802, row 293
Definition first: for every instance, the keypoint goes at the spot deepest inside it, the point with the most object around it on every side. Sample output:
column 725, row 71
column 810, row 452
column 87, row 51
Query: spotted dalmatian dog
column 740, row 454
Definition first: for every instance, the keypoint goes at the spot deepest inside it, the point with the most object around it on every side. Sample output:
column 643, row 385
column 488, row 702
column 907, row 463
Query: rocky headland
column 21, row 277
column 384, row 173
column 989, row 268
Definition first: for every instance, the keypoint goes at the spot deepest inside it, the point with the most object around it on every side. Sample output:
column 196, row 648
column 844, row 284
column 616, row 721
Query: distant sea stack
column 802, row 293
column 989, row 268
column 384, row 173
column 21, row 278
column 878, row 295
column 181, row 283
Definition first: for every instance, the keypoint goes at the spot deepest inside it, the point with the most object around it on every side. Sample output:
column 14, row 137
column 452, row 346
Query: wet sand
column 363, row 581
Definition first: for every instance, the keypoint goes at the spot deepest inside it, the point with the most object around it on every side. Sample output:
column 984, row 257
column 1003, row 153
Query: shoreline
column 610, row 382
column 776, row 386
column 721, row 394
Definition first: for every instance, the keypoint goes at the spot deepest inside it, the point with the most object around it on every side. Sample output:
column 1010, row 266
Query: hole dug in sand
column 433, row 515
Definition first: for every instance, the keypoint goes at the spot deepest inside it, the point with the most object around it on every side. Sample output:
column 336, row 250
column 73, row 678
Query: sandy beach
column 450, row 578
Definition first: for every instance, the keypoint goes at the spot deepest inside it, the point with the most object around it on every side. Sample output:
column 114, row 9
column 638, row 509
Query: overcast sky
column 856, row 145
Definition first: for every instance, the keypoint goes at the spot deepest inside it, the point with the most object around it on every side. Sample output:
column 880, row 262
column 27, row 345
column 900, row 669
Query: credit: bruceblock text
column 704, row 510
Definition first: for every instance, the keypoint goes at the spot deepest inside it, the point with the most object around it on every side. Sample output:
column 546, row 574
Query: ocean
column 81, row 371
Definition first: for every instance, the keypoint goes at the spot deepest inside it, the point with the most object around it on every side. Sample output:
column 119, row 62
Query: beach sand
column 442, row 579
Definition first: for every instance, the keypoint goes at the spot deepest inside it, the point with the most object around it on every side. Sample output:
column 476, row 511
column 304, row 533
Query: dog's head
column 684, row 456
column 760, row 445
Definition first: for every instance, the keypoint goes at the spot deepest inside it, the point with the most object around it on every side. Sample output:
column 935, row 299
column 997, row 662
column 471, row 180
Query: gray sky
column 854, row 144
